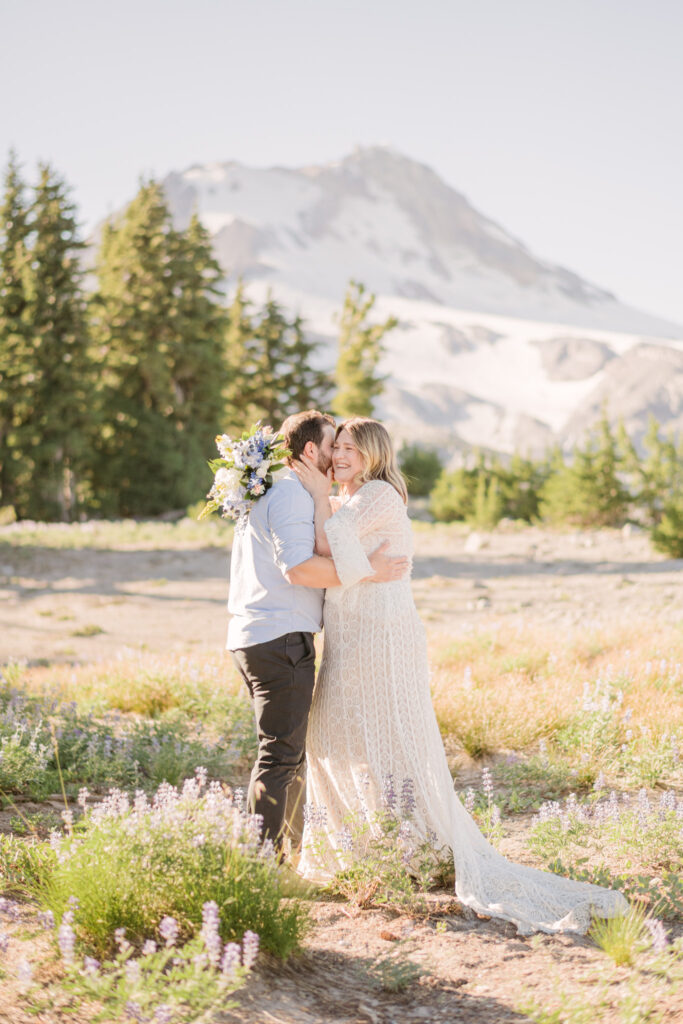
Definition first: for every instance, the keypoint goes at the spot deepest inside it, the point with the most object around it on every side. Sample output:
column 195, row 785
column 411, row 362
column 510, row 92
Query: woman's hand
column 316, row 483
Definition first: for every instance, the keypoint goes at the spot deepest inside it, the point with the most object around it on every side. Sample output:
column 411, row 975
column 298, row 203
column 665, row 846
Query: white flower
column 224, row 445
column 263, row 468
column 228, row 479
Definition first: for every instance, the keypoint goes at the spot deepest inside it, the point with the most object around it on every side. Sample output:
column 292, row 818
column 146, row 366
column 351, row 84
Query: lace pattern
column 372, row 716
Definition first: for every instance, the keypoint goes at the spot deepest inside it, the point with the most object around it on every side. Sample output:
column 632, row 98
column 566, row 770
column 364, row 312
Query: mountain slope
column 495, row 346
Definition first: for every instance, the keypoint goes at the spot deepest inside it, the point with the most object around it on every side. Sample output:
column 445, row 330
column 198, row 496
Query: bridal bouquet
column 244, row 471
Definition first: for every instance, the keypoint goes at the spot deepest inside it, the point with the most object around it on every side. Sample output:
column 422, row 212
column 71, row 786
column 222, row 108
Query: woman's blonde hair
column 377, row 452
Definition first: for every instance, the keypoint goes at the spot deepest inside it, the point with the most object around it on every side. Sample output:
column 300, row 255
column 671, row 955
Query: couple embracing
column 304, row 557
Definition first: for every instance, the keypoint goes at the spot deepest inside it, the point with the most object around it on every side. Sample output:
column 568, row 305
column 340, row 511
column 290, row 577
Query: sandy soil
column 174, row 600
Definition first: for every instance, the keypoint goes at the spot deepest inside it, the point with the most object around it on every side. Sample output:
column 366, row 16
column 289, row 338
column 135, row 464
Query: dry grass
column 505, row 690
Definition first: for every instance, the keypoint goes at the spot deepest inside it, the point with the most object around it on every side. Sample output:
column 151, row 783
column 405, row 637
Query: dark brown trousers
column 279, row 675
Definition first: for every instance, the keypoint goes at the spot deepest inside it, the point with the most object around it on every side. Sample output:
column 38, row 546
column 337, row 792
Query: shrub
column 453, row 496
column 667, row 535
column 421, row 467
column 128, row 865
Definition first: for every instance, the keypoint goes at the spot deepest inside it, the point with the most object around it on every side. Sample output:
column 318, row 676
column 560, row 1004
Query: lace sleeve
column 367, row 510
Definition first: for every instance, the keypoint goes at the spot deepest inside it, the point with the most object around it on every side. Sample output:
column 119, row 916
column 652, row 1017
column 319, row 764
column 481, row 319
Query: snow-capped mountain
column 494, row 347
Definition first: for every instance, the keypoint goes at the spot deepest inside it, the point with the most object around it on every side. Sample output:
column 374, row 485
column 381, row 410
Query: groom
column 277, row 586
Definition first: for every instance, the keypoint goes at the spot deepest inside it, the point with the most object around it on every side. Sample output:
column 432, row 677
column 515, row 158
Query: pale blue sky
column 561, row 119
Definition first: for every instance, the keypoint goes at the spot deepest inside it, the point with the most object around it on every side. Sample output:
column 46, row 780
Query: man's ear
column 310, row 449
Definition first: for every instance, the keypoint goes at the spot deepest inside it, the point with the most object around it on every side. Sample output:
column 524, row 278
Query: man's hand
column 388, row 568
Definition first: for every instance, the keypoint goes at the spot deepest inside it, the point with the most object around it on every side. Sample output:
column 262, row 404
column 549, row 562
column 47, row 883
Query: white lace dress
column 372, row 717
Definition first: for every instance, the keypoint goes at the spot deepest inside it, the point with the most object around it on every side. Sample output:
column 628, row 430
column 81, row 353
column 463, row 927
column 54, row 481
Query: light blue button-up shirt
column 278, row 534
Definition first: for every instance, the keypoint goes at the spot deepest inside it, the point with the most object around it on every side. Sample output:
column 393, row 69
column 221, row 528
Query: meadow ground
column 557, row 665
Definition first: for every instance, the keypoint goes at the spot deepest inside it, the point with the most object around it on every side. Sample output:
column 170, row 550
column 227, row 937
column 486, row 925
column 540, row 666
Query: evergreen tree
column 270, row 365
column 360, row 350
column 589, row 491
column 52, row 434
column 421, row 468
column 158, row 322
column 454, row 494
column 15, row 349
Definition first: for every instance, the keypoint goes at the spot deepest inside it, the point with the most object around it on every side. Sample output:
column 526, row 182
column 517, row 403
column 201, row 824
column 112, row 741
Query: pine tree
column 53, row 433
column 15, row 350
column 159, row 325
column 360, row 350
column 270, row 360
column 588, row 491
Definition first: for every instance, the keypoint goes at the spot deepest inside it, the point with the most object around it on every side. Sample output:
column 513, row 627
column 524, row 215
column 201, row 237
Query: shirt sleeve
column 373, row 505
column 290, row 520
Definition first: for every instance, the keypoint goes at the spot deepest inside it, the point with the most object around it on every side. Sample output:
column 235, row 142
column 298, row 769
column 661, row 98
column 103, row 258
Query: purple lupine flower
column 73, row 903
column 46, row 920
column 408, row 802
column 24, row 973
column 487, row 783
column 66, row 937
column 133, row 973
column 121, row 940
column 10, row 908
column 169, row 929
column 231, row 959
column 599, row 783
column 202, row 776
column 4, row 942
column 388, row 792
column 250, row 946
column 346, row 839
column 470, row 797
column 210, row 932
column 149, row 948
column 659, row 934
column 133, row 1011
column 91, row 966
column 495, row 815
column 163, row 1014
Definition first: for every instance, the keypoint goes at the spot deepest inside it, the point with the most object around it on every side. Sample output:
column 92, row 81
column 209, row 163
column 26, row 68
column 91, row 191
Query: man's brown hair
column 303, row 427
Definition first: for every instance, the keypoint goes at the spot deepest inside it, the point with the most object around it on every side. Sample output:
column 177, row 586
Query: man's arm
column 320, row 572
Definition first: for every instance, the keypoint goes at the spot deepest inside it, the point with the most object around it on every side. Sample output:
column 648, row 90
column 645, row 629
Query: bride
column 372, row 714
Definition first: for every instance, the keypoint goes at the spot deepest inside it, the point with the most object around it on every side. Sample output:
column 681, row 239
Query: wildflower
column 134, row 1011
column 231, row 959
column 495, row 815
column 121, row 940
column 24, row 973
column 163, row 1014
column 133, row 973
column 346, row 839
column 91, row 966
column 46, row 920
column 470, row 797
column 250, row 946
column 487, row 783
column 660, row 938
column 83, row 795
column 73, row 903
column 599, row 783
column 210, row 931
column 202, row 775
column 169, row 929
column 149, row 948
column 388, row 792
column 66, row 937
column 408, row 802
column 10, row 908
column 4, row 942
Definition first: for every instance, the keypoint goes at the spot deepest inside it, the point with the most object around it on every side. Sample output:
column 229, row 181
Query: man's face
column 324, row 450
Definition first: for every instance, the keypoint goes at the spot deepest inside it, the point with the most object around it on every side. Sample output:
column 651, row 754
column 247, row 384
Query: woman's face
column 347, row 461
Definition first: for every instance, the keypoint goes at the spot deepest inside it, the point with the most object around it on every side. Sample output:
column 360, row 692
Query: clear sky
column 561, row 119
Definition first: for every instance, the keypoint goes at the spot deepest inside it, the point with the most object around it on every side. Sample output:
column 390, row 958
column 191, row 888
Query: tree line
column 116, row 375
column 603, row 482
